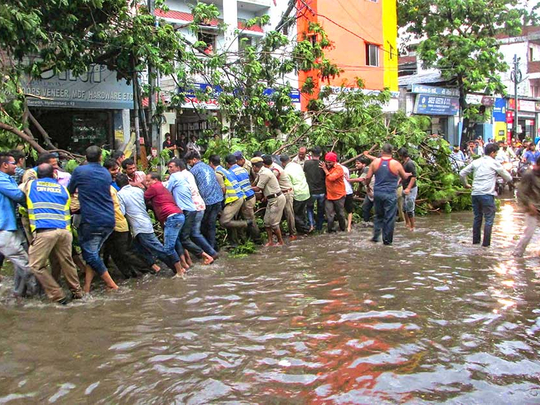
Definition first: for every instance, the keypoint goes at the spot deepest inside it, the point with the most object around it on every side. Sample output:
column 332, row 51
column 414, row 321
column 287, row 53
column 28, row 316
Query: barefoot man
column 267, row 183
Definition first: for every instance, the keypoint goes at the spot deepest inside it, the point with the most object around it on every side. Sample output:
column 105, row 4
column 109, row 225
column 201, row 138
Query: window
column 372, row 55
column 531, row 54
column 209, row 38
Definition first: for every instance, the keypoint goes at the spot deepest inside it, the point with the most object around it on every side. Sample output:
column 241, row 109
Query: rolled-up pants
column 11, row 246
column 57, row 243
column 288, row 212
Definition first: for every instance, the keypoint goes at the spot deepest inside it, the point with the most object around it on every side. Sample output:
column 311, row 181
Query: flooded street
column 327, row 319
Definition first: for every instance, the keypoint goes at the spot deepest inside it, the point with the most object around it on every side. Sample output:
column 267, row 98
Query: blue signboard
column 441, row 91
column 429, row 104
column 499, row 110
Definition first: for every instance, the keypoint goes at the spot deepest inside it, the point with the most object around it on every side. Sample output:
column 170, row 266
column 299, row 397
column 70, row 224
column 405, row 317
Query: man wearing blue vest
column 11, row 239
column 50, row 222
column 248, row 207
column 93, row 183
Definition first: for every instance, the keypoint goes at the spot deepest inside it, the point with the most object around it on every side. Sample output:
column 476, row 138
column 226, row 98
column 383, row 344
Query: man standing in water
column 528, row 196
column 410, row 190
column 335, row 192
column 93, row 183
column 484, row 171
column 267, row 183
column 387, row 172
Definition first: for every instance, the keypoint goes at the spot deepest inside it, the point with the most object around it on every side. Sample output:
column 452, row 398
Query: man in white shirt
column 484, row 171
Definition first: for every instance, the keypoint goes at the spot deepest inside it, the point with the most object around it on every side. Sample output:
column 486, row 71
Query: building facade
column 364, row 43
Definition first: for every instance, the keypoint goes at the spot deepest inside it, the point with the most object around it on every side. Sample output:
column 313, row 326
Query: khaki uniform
column 268, row 183
column 287, row 190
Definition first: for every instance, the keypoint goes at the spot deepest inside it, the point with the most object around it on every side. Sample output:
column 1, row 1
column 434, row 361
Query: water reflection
column 325, row 320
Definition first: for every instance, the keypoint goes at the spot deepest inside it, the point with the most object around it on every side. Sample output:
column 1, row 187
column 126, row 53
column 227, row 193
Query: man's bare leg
column 411, row 222
column 180, row 271
column 109, row 281
column 279, row 236
column 207, row 259
column 187, row 256
column 88, row 277
column 270, row 237
column 349, row 222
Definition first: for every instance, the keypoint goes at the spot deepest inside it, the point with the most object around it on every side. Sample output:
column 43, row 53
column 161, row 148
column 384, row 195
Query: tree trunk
column 25, row 137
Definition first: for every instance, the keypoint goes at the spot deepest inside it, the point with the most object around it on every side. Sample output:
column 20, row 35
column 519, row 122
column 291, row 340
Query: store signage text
column 428, row 104
column 441, row 91
column 97, row 88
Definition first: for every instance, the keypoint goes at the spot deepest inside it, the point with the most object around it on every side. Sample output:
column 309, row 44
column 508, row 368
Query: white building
column 233, row 15
column 527, row 48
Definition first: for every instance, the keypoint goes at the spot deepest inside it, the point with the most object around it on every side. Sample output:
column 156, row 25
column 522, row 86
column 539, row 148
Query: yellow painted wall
column 499, row 126
column 389, row 16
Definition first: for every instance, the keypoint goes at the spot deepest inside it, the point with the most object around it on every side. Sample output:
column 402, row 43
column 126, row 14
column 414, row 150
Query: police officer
column 48, row 211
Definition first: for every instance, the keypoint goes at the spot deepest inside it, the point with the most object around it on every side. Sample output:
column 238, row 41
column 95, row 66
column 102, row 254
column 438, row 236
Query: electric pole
column 516, row 77
column 152, row 127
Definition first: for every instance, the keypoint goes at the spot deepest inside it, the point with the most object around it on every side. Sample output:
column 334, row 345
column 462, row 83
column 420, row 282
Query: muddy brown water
column 324, row 320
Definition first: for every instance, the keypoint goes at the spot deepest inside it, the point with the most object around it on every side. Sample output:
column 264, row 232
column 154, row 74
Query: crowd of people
column 526, row 152
column 108, row 209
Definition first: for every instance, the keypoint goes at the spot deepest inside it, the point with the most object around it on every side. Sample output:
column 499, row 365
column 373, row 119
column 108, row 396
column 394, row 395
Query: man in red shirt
column 335, row 192
column 169, row 215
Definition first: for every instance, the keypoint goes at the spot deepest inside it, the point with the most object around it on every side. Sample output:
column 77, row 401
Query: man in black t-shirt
column 410, row 190
column 316, row 179
column 169, row 145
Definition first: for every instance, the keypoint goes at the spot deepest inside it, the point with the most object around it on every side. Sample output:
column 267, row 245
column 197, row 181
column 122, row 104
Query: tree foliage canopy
column 460, row 37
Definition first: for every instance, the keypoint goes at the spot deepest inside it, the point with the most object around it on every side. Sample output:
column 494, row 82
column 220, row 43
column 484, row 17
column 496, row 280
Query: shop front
column 442, row 105
column 79, row 111
column 528, row 114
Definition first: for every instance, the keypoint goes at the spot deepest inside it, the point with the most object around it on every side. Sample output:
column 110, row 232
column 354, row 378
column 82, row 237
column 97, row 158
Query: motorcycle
column 513, row 169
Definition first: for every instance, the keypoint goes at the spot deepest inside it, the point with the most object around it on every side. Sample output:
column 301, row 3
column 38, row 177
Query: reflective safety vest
column 232, row 189
column 48, row 205
column 243, row 180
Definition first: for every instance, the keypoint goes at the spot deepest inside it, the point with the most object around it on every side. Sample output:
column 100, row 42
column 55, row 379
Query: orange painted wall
column 349, row 25
column 364, row 19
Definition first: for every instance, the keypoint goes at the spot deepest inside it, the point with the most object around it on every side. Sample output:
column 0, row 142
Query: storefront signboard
column 98, row 88
column 428, row 104
column 440, row 91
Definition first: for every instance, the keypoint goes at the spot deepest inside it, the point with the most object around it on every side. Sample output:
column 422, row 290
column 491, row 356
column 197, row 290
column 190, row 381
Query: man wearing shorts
column 410, row 190
column 267, row 183
column 349, row 202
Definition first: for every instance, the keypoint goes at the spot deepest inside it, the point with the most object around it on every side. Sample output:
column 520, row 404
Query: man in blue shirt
column 11, row 240
column 210, row 191
column 93, row 183
column 531, row 155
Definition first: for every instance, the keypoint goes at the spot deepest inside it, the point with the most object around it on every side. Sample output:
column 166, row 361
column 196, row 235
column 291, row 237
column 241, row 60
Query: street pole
column 516, row 78
column 152, row 88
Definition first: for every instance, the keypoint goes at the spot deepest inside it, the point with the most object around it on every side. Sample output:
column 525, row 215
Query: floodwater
column 324, row 320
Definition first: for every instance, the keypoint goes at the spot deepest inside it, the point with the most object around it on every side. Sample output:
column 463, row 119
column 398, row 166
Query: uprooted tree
column 253, row 96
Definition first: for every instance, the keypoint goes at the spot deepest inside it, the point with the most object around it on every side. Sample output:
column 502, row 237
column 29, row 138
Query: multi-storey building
column 363, row 33
column 364, row 36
